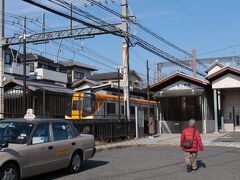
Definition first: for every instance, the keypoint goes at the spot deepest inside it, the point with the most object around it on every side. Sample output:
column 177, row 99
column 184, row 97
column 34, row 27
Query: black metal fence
column 44, row 104
column 109, row 130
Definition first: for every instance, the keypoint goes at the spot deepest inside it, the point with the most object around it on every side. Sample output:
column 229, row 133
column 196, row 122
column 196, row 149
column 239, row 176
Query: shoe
column 189, row 168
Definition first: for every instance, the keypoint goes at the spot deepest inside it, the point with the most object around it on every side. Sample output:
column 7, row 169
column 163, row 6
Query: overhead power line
column 116, row 31
column 147, row 30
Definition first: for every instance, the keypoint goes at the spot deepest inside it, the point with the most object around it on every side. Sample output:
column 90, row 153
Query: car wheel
column 75, row 163
column 9, row 171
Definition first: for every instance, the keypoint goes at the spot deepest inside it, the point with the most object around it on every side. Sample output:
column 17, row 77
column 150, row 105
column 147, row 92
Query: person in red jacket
column 191, row 153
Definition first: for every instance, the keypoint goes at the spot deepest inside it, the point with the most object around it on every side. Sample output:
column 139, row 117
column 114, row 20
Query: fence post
column 94, row 130
column 111, row 131
column 126, row 129
column 233, row 118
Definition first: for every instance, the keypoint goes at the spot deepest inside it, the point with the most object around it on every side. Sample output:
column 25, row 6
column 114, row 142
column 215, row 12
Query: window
column 122, row 109
column 51, row 68
column 61, row 131
column 31, row 66
column 45, row 66
column 88, row 105
column 78, row 75
column 7, row 59
column 111, row 108
column 76, row 105
column 41, row 134
column 40, row 65
column 132, row 110
column 15, row 132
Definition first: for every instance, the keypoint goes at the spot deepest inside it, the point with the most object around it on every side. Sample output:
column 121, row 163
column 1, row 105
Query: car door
column 64, row 143
column 40, row 151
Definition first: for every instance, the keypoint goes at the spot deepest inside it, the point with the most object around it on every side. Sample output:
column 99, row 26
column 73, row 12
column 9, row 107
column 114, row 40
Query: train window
column 111, row 108
column 122, row 109
column 76, row 105
column 132, row 110
column 145, row 111
column 88, row 106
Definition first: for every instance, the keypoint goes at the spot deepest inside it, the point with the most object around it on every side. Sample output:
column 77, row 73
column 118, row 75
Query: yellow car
column 34, row 147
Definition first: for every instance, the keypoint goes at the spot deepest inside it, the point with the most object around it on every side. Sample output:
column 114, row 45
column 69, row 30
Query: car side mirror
column 3, row 144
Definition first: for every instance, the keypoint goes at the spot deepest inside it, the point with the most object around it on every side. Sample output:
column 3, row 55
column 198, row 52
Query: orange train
column 104, row 106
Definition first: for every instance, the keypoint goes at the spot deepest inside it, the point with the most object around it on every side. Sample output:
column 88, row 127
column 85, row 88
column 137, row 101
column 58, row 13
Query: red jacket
column 197, row 142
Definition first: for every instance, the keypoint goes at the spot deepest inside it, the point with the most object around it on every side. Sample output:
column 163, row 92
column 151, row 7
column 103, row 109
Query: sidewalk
column 168, row 139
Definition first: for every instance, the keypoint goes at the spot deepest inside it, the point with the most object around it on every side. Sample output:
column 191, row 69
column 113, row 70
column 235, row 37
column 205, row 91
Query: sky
column 209, row 26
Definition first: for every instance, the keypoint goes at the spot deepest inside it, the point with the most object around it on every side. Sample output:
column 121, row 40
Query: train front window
column 88, row 106
column 76, row 105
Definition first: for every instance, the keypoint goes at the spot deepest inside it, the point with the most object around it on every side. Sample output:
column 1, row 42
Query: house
column 13, row 66
column 76, row 71
column 44, row 69
column 135, row 81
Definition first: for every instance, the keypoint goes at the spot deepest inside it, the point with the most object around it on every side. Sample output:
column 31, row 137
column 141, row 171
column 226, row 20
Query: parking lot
column 155, row 162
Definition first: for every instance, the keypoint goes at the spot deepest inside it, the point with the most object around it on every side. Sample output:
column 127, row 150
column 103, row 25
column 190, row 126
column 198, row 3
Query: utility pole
column 119, row 103
column 126, row 59
column 1, row 60
column 148, row 89
column 24, row 63
column 43, row 22
column 71, row 14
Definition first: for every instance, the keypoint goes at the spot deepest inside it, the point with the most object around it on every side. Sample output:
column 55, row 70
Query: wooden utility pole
column 1, row 60
column 126, row 59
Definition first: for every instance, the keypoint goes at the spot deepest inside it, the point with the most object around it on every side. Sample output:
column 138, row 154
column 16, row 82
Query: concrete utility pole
column 24, row 64
column 148, row 90
column 126, row 59
column 1, row 60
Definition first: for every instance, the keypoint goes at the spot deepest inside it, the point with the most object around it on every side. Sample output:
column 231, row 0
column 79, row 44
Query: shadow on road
column 201, row 164
column 89, row 164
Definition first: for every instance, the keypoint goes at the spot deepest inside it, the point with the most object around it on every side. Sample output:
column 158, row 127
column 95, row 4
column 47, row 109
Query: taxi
column 29, row 148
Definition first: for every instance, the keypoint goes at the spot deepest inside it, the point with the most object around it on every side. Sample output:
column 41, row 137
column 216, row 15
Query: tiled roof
column 177, row 77
column 105, row 76
column 31, row 56
column 110, row 75
column 36, row 86
column 78, row 64
column 85, row 80
column 214, row 65
column 223, row 72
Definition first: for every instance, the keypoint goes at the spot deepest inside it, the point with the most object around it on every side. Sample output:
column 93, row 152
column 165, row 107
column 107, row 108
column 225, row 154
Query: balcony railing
column 41, row 73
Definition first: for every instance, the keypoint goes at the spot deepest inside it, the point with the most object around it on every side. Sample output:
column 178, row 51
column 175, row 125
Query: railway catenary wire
column 87, row 50
column 68, row 48
column 145, row 29
column 141, row 43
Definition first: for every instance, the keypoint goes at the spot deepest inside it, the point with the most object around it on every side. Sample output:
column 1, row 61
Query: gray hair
column 191, row 122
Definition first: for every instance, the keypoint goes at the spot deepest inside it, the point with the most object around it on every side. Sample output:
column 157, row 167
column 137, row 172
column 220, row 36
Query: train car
column 105, row 106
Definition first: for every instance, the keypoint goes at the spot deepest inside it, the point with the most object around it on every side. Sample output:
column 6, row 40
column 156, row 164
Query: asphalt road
column 230, row 137
column 155, row 163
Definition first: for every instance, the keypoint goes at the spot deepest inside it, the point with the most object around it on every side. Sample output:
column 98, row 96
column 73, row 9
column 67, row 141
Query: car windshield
column 15, row 132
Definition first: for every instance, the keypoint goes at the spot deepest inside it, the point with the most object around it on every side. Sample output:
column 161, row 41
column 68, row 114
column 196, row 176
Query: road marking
column 227, row 136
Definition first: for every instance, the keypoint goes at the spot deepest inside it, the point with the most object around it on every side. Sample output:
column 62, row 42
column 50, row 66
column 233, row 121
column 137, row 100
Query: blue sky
column 209, row 26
